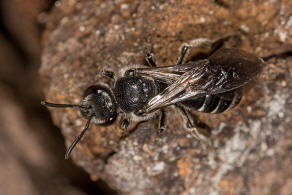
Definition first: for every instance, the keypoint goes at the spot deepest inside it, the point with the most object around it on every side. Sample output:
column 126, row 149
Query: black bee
column 139, row 93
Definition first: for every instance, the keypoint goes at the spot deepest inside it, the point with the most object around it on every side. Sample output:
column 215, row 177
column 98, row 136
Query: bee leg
column 150, row 58
column 109, row 74
column 162, row 124
column 184, row 114
column 218, row 43
column 196, row 48
column 183, row 52
column 202, row 48
column 194, row 126
column 124, row 124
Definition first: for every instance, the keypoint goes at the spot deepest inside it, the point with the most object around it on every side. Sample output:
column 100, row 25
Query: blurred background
column 31, row 147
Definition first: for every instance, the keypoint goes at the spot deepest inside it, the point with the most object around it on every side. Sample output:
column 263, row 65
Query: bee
column 140, row 93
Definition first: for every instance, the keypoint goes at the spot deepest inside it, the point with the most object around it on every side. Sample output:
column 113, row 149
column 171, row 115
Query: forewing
column 169, row 74
column 232, row 68
column 178, row 90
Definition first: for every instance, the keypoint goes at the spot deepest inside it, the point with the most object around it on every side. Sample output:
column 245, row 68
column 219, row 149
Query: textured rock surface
column 252, row 152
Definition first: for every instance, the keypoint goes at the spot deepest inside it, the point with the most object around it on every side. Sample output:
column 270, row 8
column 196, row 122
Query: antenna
column 77, row 139
column 48, row 104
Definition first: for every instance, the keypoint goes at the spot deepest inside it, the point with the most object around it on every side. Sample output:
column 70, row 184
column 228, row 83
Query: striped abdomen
column 215, row 103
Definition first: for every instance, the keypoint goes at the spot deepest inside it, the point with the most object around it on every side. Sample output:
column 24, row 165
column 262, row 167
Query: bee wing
column 224, row 71
column 177, row 91
column 168, row 74
column 237, row 66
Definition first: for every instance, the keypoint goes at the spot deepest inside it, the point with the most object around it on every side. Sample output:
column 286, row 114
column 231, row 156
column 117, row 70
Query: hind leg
column 193, row 125
column 201, row 48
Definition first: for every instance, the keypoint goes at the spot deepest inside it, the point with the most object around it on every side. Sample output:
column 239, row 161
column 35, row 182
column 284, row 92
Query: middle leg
column 162, row 123
column 150, row 58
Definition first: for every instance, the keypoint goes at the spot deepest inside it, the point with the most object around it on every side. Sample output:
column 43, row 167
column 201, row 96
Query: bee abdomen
column 213, row 103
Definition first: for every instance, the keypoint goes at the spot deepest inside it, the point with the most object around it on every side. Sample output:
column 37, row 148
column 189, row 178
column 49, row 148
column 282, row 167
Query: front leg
column 127, row 126
column 109, row 74
column 124, row 123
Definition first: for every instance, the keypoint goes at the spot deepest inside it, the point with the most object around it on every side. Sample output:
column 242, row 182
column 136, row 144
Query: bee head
column 99, row 103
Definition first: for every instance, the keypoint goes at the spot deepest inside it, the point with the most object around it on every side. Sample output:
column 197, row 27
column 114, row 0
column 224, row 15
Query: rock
column 252, row 147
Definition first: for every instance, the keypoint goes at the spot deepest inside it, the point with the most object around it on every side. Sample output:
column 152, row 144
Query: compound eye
column 87, row 110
